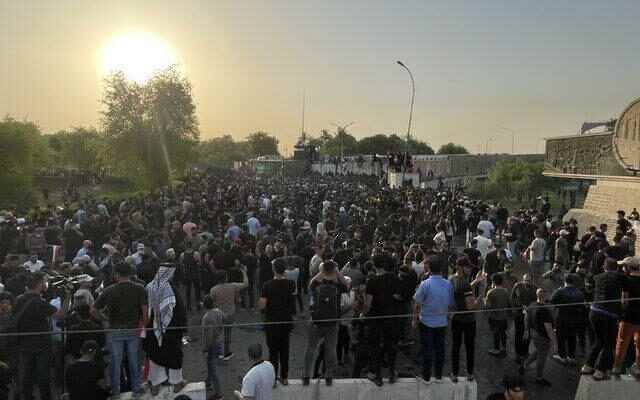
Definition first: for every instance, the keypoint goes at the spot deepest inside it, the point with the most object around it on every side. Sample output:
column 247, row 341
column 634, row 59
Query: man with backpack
column 326, row 289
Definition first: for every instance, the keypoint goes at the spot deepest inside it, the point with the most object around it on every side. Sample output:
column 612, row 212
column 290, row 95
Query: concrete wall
column 627, row 388
column 363, row 389
column 195, row 391
column 603, row 200
column 439, row 165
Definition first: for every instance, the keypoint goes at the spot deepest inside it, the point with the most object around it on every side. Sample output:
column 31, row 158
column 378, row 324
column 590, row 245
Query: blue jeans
column 212, row 375
column 117, row 343
column 432, row 340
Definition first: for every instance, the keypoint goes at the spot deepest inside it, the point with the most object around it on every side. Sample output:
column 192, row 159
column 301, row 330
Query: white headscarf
column 162, row 300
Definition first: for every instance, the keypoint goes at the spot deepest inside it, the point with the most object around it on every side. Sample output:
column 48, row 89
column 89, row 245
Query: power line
column 307, row 321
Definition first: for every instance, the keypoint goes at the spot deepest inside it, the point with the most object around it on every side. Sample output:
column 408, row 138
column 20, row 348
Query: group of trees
column 342, row 143
column 514, row 181
column 149, row 133
column 222, row 151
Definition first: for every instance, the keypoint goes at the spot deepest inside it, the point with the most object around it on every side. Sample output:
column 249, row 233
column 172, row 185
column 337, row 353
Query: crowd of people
column 368, row 269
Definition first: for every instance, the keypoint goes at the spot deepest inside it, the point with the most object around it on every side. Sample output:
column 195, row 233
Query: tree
column 81, row 148
column 381, row 144
column 20, row 143
column 420, row 147
column 451, row 148
column 221, row 151
column 376, row 144
column 341, row 144
column 514, row 180
column 151, row 127
column 262, row 144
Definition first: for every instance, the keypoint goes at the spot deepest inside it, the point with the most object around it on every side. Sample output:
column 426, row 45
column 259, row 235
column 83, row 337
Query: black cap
column 512, row 381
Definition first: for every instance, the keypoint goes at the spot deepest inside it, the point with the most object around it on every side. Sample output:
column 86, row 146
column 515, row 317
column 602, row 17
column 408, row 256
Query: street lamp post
column 513, row 138
column 413, row 95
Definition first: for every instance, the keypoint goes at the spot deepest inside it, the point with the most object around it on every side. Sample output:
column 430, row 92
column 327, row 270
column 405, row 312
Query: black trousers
column 278, row 343
column 522, row 345
column 344, row 342
column 567, row 338
column 188, row 285
column 499, row 329
column 361, row 348
column 606, row 330
column 463, row 331
column 383, row 341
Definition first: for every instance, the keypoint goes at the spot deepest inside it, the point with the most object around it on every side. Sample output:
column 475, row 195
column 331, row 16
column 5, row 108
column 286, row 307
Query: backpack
column 326, row 301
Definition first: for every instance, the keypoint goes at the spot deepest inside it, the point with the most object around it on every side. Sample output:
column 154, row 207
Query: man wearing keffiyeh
column 163, row 344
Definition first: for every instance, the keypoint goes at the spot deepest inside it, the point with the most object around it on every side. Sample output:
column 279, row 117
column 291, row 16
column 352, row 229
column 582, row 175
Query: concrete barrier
column 363, row 389
column 626, row 388
column 195, row 391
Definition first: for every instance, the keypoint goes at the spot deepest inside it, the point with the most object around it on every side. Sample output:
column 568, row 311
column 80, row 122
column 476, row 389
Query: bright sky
column 539, row 68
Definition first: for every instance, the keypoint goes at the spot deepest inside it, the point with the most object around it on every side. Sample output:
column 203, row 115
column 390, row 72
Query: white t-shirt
column 34, row 267
column 258, row 382
column 484, row 245
column 487, row 228
column 536, row 253
column 418, row 267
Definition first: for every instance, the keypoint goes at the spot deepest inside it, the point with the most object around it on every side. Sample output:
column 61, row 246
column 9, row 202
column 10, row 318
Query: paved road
column 489, row 370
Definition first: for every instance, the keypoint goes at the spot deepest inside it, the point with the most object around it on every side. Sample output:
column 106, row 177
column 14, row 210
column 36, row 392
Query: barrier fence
column 248, row 329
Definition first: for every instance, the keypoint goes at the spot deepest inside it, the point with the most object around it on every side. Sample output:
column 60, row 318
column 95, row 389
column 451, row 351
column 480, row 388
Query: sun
column 138, row 55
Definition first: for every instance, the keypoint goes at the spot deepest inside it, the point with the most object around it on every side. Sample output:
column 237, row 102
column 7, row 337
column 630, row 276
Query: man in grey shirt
column 535, row 254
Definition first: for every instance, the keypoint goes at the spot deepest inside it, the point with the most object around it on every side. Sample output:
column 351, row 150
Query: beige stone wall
column 603, row 200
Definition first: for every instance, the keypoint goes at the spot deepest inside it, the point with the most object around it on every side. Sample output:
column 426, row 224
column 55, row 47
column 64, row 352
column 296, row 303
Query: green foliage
column 341, row 144
column 381, row 144
column 221, row 151
column 19, row 146
column 376, row 144
column 419, row 147
column 514, row 180
column 262, row 144
column 452, row 148
column 151, row 128
column 80, row 148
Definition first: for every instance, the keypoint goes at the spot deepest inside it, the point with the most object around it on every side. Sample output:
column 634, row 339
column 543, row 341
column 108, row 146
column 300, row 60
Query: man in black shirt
column 522, row 295
column 278, row 303
column 126, row 306
column 540, row 323
column 569, row 319
column 33, row 314
column 605, row 312
column 464, row 325
column 383, row 298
